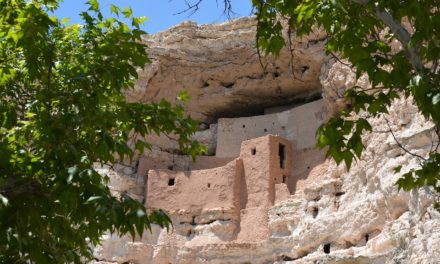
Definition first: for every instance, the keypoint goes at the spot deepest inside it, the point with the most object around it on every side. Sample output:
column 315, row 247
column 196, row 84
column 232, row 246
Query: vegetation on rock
column 62, row 111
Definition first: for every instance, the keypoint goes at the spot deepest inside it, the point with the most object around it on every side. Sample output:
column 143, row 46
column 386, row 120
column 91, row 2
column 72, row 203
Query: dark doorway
column 282, row 154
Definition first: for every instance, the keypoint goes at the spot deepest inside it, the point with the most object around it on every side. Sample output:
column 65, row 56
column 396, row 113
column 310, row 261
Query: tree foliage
column 362, row 31
column 62, row 111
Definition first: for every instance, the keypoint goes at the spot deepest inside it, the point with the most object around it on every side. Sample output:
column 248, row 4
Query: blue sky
column 161, row 13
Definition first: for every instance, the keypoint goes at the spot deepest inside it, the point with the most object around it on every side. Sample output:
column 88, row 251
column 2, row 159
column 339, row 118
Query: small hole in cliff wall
column 315, row 212
column 283, row 127
column 286, row 258
column 276, row 74
column 209, row 185
column 171, row 167
column 193, row 220
column 254, row 151
column 282, row 154
column 171, row 182
column 284, row 179
column 228, row 85
column 367, row 237
column 304, row 69
column 244, row 126
column 308, row 167
column 339, row 193
column 327, row 248
column 265, row 130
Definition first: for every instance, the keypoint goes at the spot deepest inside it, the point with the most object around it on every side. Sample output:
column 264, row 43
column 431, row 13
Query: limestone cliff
column 311, row 211
column 219, row 67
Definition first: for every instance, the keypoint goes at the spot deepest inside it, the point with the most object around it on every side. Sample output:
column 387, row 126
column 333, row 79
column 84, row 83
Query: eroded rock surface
column 327, row 215
column 219, row 67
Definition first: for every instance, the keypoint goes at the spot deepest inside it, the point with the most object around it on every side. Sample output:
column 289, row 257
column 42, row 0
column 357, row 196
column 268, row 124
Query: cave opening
column 247, row 106
column 327, row 248
column 315, row 212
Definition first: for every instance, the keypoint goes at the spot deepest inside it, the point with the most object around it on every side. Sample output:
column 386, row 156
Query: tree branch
column 401, row 34
column 400, row 145
column 191, row 8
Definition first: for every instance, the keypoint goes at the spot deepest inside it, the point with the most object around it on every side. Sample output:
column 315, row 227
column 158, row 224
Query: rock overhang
column 220, row 68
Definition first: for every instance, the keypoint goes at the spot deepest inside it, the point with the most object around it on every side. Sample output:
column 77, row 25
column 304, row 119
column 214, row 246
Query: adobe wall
column 298, row 125
column 249, row 180
column 237, row 194
column 264, row 167
column 195, row 191
column 162, row 160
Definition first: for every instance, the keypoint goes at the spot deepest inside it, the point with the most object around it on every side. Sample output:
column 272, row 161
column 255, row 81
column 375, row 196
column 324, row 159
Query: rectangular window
column 282, row 154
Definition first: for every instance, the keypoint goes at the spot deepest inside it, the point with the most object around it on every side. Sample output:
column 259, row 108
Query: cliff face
column 219, row 67
column 320, row 213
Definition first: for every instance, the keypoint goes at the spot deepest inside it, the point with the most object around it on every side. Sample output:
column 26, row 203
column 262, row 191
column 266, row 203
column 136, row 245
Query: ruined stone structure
column 239, row 193
column 265, row 194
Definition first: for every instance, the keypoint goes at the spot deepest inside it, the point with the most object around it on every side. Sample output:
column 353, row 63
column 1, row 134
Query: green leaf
column 94, row 5
column 114, row 9
column 183, row 96
column 406, row 182
column 397, row 169
column 348, row 158
column 127, row 12
column 65, row 20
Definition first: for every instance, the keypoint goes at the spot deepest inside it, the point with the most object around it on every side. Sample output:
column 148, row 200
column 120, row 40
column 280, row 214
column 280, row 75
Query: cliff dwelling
column 264, row 193
column 253, row 167
column 241, row 190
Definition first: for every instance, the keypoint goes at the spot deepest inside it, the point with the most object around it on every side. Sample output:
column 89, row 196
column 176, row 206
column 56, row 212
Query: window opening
column 171, row 182
column 284, row 179
column 254, row 151
column 282, row 154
